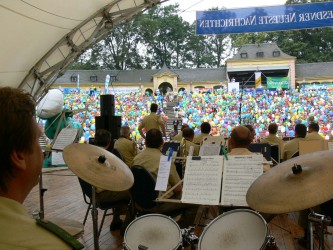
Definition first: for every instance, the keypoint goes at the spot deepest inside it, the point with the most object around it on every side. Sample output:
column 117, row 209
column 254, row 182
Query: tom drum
column 234, row 230
column 153, row 231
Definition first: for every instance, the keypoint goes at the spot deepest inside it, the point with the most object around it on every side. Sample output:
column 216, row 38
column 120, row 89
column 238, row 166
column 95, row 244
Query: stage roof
column 42, row 38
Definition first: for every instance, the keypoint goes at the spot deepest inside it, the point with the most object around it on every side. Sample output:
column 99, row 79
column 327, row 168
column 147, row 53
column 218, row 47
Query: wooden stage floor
column 63, row 199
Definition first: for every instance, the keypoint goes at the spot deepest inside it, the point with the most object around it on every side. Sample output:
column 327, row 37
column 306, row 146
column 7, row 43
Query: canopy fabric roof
column 42, row 38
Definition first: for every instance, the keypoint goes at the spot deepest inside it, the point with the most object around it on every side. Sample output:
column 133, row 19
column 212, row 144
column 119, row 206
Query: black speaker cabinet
column 110, row 123
column 107, row 105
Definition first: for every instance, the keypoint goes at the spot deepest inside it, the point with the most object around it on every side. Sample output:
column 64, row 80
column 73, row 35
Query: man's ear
column 18, row 160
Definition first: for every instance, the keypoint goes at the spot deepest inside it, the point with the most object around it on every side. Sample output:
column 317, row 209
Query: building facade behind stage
column 264, row 62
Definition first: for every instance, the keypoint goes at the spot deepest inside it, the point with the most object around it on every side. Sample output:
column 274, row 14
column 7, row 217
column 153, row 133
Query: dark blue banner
column 259, row 19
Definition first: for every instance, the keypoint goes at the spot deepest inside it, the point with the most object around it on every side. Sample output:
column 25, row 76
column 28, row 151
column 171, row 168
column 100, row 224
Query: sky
column 189, row 7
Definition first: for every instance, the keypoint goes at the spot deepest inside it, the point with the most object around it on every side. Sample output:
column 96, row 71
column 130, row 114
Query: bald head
column 240, row 137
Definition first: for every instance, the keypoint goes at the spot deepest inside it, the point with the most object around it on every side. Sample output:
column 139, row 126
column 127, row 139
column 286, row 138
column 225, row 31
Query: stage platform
column 64, row 199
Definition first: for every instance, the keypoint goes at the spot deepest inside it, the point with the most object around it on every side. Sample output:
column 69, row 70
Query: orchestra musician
column 103, row 139
column 205, row 130
column 21, row 164
column 149, row 158
column 126, row 146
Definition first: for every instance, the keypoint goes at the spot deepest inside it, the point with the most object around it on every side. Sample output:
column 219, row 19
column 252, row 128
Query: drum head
column 235, row 230
column 154, row 231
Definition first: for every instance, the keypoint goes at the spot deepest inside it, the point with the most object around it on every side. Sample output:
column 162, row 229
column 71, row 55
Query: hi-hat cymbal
column 98, row 167
column 280, row 190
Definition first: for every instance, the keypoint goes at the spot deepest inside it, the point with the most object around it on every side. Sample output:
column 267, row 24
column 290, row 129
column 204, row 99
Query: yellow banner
column 258, row 80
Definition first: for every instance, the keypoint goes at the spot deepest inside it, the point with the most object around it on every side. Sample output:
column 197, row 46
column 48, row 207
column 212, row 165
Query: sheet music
column 240, row 171
column 202, row 180
column 57, row 159
column 213, row 140
column 163, row 173
column 209, row 149
column 64, row 138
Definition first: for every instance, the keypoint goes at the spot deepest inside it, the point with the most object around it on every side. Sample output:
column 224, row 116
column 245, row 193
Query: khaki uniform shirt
column 291, row 147
column 272, row 140
column 313, row 136
column 152, row 121
column 127, row 148
column 198, row 138
column 178, row 137
column 196, row 148
column 19, row 231
column 150, row 160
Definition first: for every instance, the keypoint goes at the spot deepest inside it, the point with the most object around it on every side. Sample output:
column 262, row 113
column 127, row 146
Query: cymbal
column 86, row 161
column 280, row 190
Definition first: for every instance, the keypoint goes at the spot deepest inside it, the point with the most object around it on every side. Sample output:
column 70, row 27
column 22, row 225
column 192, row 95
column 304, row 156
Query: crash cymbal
column 98, row 167
column 282, row 190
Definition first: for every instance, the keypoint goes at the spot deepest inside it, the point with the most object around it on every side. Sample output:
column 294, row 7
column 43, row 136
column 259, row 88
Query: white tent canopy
column 42, row 38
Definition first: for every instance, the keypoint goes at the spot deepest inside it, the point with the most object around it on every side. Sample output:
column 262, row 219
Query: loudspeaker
column 110, row 123
column 107, row 105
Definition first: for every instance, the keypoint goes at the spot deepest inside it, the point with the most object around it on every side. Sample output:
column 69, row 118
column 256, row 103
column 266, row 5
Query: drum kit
column 297, row 184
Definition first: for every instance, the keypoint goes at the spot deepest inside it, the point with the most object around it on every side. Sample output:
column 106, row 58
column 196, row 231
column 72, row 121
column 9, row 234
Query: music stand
column 263, row 148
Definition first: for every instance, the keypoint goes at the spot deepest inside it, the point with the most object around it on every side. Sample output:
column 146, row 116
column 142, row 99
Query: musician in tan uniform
column 205, row 130
column 188, row 134
column 149, row 158
column 126, row 146
column 152, row 121
column 21, row 163
column 291, row 147
column 103, row 139
column 240, row 139
column 179, row 136
column 313, row 134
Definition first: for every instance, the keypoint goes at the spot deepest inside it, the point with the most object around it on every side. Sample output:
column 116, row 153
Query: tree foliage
column 161, row 36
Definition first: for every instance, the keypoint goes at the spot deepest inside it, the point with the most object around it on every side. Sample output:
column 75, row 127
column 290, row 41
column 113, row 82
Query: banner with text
column 260, row 19
column 277, row 82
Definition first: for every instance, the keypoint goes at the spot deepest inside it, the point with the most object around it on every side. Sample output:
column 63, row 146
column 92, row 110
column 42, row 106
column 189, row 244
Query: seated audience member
column 291, row 147
column 126, row 146
column 103, row 139
column 149, row 158
column 313, row 134
column 205, row 130
column 188, row 135
column 21, row 164
column 240, row 139
column 179, row 136
column 252, row 132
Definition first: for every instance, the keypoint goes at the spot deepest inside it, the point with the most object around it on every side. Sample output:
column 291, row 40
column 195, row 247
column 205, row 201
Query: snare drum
column 154, row 231
column 235, row 230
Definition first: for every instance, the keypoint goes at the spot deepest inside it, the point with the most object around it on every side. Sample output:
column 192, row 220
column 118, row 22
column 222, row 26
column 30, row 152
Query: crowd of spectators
column 222, row 110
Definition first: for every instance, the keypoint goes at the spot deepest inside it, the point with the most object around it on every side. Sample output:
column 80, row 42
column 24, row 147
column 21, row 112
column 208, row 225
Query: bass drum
column 235, row 230
column 153, row 231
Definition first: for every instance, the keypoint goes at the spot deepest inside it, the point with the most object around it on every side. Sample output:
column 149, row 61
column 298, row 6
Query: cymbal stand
column 321, row 221
column 189, row 238
column 94, row 215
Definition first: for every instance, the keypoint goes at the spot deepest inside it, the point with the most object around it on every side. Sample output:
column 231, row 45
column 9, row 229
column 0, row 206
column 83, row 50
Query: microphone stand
column 240, row 104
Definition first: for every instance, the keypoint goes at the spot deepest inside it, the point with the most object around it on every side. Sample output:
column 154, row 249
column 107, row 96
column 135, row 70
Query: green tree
column 165, row 36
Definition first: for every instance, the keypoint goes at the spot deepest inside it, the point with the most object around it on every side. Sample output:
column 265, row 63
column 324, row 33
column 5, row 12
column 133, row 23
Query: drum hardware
column 189, row 238
column 271, row 244
column 99, row 168
column 322, row 221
